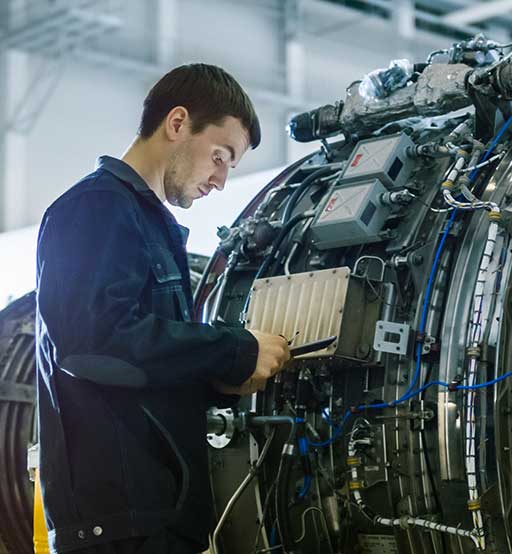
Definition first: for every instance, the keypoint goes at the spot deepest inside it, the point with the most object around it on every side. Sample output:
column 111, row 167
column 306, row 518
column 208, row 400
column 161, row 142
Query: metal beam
column 56, row 22
column 479, row 12
column 448, row 6
column 422, row 17
column 148, row 71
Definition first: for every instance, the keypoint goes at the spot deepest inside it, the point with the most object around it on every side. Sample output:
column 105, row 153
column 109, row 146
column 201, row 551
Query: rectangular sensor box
column 384, row 158
column 311, row 303
column 317, row 304
column 352, row 214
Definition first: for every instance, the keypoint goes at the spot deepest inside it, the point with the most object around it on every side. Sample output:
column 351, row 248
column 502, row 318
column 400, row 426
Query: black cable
column 282, row 492
column 287, row 227
column 264, row 510
column 298, row 192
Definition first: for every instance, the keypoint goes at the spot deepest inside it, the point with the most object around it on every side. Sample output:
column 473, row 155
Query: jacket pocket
column 167, row 295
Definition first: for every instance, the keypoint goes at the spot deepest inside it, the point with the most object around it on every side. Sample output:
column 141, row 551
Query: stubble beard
column 174, row 192
column 174, row 182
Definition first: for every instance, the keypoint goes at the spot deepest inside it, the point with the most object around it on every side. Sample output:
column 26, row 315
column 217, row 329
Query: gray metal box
column 383, row 158
column 352, row 214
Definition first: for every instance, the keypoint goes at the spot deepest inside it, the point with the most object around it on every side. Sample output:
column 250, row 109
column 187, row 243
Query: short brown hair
column 208, row 92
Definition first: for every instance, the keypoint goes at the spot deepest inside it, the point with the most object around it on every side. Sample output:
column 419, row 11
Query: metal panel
column 351, row 215
column 382, row 158
column 383, row 344
column 311, row 304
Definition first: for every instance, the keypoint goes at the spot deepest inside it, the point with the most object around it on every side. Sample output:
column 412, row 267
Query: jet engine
column 394, row 238
column 392, row 241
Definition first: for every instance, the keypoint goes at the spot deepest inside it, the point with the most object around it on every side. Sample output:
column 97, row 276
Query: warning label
column 357, row 159
column 332, row 203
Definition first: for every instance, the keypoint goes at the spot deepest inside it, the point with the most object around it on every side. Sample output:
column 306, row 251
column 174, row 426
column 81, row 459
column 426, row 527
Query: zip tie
column 448, row 184
column 474, row 505
column 473, row 351
column 355, row 485
column 354, row 461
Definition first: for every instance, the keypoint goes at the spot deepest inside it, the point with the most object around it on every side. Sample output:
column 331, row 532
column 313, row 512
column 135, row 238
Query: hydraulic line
column 282, row 494
column 355, row 485
column 298, row 192
column 289, row 225
column 257, row 421
column 473, row 352
column 238, row 493
column 232, row 261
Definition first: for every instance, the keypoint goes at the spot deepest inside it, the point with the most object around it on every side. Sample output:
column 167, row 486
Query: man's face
column 200, row 162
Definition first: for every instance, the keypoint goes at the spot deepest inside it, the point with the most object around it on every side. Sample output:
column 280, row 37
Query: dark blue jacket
column 123, row 374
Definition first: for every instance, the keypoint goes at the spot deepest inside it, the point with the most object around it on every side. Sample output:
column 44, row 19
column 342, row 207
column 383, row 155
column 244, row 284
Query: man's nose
column 218, row 179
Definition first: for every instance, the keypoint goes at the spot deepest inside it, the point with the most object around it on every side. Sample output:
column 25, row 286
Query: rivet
column 97, row 530
column 81, row 534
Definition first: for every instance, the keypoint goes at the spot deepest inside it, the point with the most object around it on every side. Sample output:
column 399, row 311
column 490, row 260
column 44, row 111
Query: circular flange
column 222, row 440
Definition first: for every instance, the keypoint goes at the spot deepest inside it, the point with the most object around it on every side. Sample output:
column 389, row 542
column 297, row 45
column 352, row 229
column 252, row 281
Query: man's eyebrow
column 231, row 151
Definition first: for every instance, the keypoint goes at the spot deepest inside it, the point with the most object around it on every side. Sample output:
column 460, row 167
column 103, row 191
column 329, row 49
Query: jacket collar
column 128, row 175
column 124, row 172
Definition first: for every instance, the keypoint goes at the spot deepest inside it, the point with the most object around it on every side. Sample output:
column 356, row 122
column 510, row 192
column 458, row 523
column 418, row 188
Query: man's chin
column 183, row 203
column 186, row 203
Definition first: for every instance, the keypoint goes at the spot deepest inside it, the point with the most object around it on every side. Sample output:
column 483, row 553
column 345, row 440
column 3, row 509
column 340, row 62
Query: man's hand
column 273, row 353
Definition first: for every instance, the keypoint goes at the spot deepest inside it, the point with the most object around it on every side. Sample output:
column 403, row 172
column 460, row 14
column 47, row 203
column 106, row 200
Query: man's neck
column 140, row 157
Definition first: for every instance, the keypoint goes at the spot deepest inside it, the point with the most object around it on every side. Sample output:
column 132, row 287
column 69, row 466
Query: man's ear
column 176, row 122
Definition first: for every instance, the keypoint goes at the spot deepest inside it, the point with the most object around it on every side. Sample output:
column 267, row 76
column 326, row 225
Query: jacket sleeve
column 92, row 267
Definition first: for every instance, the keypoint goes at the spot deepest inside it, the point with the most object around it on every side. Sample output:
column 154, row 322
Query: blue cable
column 337, row 431
column 306, row 486
column 273, row 534
column 486, row 384
column 404, row 398
column 426, row 299
column 327, row 418
column 494, row 142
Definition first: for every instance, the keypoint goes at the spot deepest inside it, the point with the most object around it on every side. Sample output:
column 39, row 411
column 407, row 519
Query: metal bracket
column 390, row 337
column 17, row 392
column 426, row 415
column 428, row 342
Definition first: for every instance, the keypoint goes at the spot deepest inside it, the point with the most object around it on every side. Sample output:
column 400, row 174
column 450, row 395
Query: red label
column 356, row 161
column 331, row 203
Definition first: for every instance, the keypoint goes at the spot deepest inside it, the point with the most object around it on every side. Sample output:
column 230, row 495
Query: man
column 124, row 375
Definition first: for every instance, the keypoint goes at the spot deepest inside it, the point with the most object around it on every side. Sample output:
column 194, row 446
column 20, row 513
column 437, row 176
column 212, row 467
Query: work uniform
column 123, row 373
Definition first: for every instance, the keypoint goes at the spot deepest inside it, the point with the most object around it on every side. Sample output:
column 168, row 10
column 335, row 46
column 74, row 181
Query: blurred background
column 74, row 73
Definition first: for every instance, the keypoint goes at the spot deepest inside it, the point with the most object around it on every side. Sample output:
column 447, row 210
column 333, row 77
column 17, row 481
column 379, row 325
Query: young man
column 124, row 375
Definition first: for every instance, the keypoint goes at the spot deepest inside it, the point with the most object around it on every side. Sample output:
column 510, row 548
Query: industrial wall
column 291, row 56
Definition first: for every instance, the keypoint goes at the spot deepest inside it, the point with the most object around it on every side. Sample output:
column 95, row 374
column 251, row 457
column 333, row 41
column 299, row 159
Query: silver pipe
column 232, row 260
column 238, row 493
column 215, row 424
column 206, row 305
